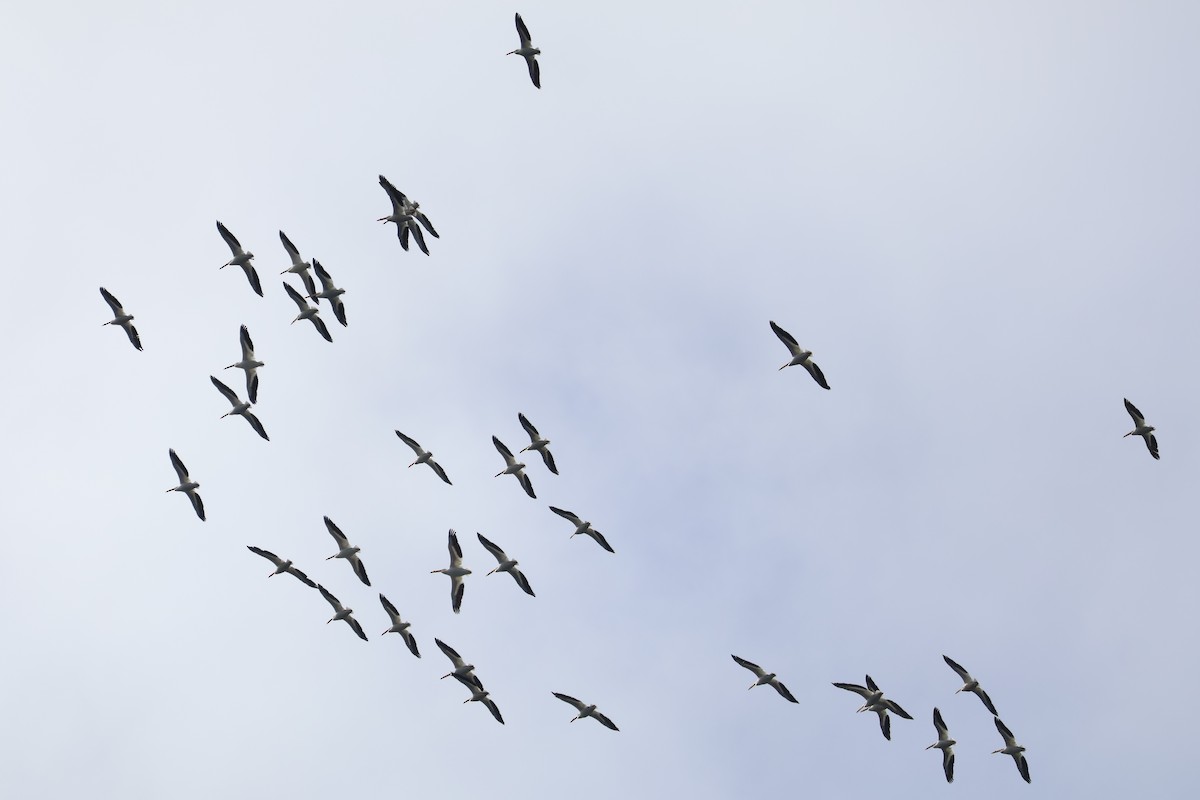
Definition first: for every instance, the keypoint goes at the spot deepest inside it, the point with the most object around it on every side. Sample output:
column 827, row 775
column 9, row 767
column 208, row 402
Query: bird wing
column 419, row 237
column 180, row 469
column 402, row 235
column 1151, row 442
column 229, row 238
column 783, row 690
column 954, row 665
column 292, row 251
column 455, row 549
column 252, row 385
column 528, row 426
column 416, row 448
column 457, row 587
column 504, row 451
column 333, row 601
column 436, row 467
column 256, row 424
column 1138, row 419
column 816, row 373
column 567, row 515
column 230, row 394
column 252, row 276
column 787, row 339
column 603, row 720
column 526, row 484
column 339, row 310
column 115, row 304
column 296, row 296
column 411, row 641
column 548, row 457
column 450, row 652
column 523, row 32
column 353, row 623
column 1009, row 739
column 871, row 684
column 300, row 576
column 491, row 706
column 566, row 698
column 600, row 540
column 389, row 608
column 360, row 569
column 885, row 724
column 267, row 554
column 1023, row 766
column 854, row 687
column 310, row 286
column 535, row 70
column 336, row 532
column 197, row 504
column 755, row 668
column 522, row 581
column 399, row 201
column 132, row 333
column 939, row 724
column 323, row 276
column 987, row 701
column 247, row 344
column 492, row 548
column 424, row 220
column 470, row 681
column 948, row 764
column 894, row 706
column 319, row 324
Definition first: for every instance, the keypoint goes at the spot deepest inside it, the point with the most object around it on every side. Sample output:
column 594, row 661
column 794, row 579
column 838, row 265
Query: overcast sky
column 979, row 217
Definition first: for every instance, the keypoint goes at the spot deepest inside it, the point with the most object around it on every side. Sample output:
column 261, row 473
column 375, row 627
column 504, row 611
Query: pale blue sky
column 980, row 217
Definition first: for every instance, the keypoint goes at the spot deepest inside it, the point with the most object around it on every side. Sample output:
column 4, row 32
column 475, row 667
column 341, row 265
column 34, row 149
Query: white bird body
column 456, row 571
column 187, row 485
column 249, row 364
column 122, row 318
column 513, row 467
column 241, row 258
column 240, row 407
column 800, row 356
column 528, row 52
column 347, row 551
column 1140, row 428
column 307, row 312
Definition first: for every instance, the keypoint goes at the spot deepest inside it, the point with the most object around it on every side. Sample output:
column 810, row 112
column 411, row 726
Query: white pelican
column 506, row 564
column 1011, row 748
column 341, row 612
column 240, row 408
column 423, row 456
column 536, row 442
column 875, row 701
column 241, row 258
column 399, row 626
column 480, row 695
column 530, row 54
column 1139, row 427
column 330, row 292
column 800, row 356
column 584, row 527
column 187, row 485
column 407, row 216
column 121, row 318
column 347, row 551
column 945, row 744
column 765, row 677
column 970, row 684
column 462, row 670
column 456, row 571
column 586, row 710
column 281, row 566
column 299, row 266
column 250, row 364
column 307, row 312
column 513, row 467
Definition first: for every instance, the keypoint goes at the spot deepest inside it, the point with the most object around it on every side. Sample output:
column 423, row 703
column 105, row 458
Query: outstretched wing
column 548, row 457
column 300, row 576
column 292, row 250
column 450, row 652
column 603, row 720
column 296, row 297
column 504, row 451
column 115, row 304
column 600, row 540
column 319, row 324
column 230, row 394
column 575, row 520
column 389, row 608
column 436, row 467
column 526, row 484
column 816, row 373
column 987, row 701
column 353, row 623
column 854, row 687
column 267, row 554
column 229, row 238
column 522, row 581
column 180, row 469
column 1138, row 419
column 523, row 32
column 252, row 276
column 247, row 344
column 783, row 690
column 566, row 698
column 424, row 220
column 399, row 201
column 342, row 540
column 750, row 665
column 333, row 601
column 786, row 338
column 492, row 548
column 197, row 504
column 528, row 426
column 416, row 448
column 954, row 665
column 491, row 706
column 256, row 424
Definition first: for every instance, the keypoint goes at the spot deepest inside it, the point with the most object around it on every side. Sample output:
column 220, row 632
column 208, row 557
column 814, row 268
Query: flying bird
column 462, row 670
column 240, row 408
column 970, row 684
column 281, row 566
column 513, row 467
column 299, row 266
column 240, row 258
column 307, row 312
column 408, row 217
column 1011, row 748
column 341, row 612
column 329, row 292
column 765, row 677
column 800, row 356
column 187, row 485
column 586, row 710
column 1139, row 427
column 875, row 701
column 506, row 564
column 456, row 571
column 250, row 364
column 423, row 456
column 347, row 551
column 399, row 626
column 584, row 527
column 536, row 442
column 945, row 744
column 529, row 53
column 480, row 695
column 121, row 318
